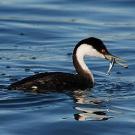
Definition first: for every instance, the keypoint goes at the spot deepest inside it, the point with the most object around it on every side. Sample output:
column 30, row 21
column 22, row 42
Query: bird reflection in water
column 89, row 108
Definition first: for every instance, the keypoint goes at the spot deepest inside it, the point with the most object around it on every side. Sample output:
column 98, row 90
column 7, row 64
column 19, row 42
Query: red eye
column 103, row 51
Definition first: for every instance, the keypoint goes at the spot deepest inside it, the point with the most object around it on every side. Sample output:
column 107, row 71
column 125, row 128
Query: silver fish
column 115, row 60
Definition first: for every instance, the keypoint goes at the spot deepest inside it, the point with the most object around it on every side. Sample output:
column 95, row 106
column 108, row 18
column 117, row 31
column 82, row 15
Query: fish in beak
column 114, row 60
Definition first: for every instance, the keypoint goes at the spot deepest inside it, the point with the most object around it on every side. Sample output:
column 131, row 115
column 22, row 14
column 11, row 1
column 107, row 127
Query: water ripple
column 38, row 36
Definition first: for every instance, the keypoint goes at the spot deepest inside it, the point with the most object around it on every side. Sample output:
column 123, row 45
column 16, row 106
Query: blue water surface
column 39, row 36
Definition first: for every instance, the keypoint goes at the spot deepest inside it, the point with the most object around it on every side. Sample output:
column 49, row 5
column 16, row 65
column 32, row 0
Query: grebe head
column 91, row 47
column 95, row 47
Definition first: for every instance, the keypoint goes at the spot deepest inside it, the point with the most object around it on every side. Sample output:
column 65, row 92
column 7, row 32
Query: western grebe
column 58, row 81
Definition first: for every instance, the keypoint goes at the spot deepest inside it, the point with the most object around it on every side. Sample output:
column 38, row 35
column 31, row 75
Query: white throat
column 86, row 50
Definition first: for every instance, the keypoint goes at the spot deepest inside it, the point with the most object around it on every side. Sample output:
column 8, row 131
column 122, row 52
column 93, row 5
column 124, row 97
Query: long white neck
column 81, row 52
column 78, row 59
column 79, row 64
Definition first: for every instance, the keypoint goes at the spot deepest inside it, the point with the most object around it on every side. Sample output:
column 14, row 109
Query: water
column 38, row 36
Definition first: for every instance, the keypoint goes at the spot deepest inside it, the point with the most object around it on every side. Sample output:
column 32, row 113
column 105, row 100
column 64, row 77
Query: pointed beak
column 114, row 60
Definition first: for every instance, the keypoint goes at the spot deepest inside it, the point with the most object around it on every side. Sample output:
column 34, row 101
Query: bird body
column 58, row 81
column 51, row 81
